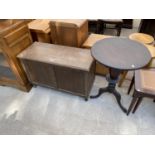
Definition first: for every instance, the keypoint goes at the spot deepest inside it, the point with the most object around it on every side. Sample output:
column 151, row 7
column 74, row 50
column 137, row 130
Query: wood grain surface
column 121, row 53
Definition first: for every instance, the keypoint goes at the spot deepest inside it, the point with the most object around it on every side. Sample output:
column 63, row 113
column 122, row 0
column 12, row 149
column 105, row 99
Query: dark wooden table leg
column 137, row 104
column 131, row 85
column 112, row 79
column 118, row 98
column 133, row 102
column 114, row 76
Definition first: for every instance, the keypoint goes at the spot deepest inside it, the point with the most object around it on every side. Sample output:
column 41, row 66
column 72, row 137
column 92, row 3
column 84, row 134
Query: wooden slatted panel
column 70, row 79
column 21, row 45
column 41, row 73
column 16, row 34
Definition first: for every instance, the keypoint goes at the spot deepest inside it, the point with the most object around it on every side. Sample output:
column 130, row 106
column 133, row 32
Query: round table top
column 121, row 53
column 142, row 37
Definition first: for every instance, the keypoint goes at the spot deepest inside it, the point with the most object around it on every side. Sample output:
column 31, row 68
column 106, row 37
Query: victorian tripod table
column 119, row 54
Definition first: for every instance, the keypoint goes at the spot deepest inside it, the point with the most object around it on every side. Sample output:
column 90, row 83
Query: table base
column 111, row 89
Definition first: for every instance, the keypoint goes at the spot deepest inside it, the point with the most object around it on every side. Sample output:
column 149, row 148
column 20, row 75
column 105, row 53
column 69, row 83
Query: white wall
column 136, row 22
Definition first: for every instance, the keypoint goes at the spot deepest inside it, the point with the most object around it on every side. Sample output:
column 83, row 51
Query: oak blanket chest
column 64, row 68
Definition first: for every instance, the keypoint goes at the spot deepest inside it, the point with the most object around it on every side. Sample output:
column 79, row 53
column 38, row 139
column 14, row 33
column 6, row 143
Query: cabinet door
column 40, row 73
column 71, row 80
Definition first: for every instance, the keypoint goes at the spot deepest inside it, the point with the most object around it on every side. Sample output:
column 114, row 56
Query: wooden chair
column 144, row 39
column 116, row 22
column 93, row 26
column 144, row 87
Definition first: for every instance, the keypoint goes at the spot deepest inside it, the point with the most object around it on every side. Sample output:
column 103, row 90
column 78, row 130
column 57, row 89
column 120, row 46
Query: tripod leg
column 118, row 98
column 101, row 91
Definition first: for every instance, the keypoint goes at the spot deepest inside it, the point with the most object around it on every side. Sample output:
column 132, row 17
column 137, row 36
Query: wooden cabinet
column 13, row 39
column 40, row 30
column 61, row 67
column 69, row 32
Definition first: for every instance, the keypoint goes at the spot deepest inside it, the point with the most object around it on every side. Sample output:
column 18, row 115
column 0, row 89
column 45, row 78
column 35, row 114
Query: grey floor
column 47, row 111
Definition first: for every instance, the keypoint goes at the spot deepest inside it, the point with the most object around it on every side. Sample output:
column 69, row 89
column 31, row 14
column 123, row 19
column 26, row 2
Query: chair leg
column 137, row 104
column 104, row 27
column 133, row 102
column 131, row 85
column 98, row 27
column 119, row 28
column 122, row 78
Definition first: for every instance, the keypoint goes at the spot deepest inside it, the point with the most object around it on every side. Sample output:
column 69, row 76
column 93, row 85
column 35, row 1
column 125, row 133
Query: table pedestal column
column 112, row 79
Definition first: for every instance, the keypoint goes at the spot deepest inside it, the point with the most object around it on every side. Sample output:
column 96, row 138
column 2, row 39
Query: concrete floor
column 47, row 111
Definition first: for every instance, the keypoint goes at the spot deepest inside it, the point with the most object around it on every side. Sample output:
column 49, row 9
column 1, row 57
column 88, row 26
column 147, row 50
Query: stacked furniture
column 13, row 40
column 69, row 32
column 40, row 30
column 91, row 40
column 72, row 69
column 64, row 68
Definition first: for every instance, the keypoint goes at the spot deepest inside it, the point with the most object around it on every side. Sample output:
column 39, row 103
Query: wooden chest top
column 69, row 22
column 58, row 55
column 92, row 39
